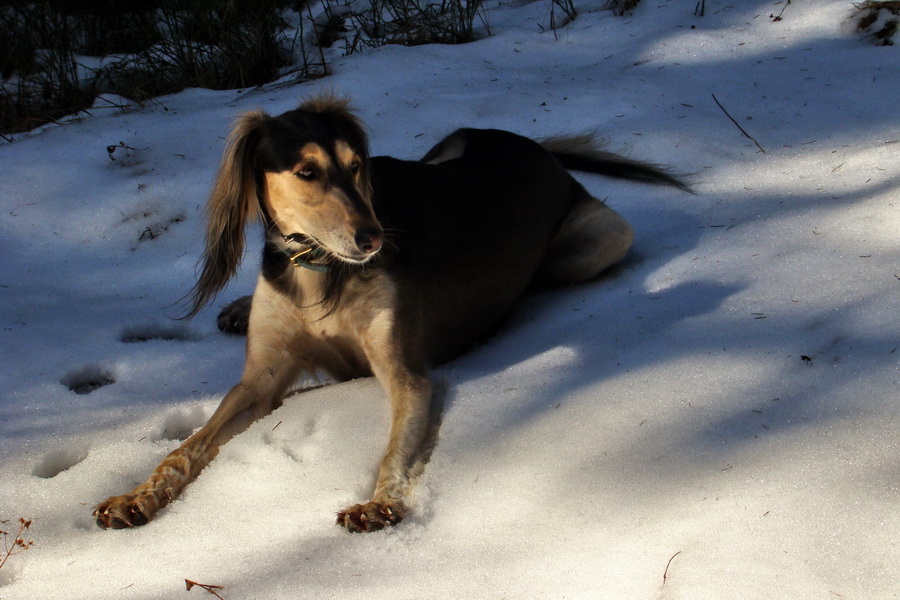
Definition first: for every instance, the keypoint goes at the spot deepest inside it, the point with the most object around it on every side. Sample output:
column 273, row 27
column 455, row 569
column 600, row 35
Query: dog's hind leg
column 590, row 239
column 272, row 365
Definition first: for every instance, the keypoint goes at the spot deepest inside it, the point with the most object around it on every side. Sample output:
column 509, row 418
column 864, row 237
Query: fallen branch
column 209, row 588
column 736, row 124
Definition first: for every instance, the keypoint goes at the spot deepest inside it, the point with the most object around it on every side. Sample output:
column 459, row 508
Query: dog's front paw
column 235, row 317
column 371, row 516
column 130, row 510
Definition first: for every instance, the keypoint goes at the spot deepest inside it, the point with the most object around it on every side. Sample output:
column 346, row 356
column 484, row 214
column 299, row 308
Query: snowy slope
column 661, row 411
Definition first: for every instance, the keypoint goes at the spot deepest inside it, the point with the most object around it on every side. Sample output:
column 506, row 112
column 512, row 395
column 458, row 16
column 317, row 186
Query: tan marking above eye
column 347, row 156
column 312, row 162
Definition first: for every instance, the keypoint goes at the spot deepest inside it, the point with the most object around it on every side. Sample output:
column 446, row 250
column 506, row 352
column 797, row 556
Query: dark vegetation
column 57, row 57
column 149, row 48
column 878, row 20
column 142, row 49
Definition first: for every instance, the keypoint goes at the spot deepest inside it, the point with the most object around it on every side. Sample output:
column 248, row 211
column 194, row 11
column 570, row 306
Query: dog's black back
column 466, row 235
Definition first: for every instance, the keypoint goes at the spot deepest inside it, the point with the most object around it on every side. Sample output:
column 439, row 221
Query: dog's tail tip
column 619, row 167
column 584, row 153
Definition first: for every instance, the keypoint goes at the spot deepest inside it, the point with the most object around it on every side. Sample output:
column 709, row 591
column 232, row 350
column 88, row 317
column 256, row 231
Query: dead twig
column 736, row 124
column 209, row 588
column 666, row 572
column 775, row 18
column 19, row 543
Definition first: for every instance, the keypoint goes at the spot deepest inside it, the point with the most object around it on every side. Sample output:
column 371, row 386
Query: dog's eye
column 308, row 173
column 354, row 167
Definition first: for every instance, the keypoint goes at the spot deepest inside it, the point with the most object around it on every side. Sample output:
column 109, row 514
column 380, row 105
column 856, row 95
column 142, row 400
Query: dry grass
column 167, row 46
column 164, row 46
column 413, row 23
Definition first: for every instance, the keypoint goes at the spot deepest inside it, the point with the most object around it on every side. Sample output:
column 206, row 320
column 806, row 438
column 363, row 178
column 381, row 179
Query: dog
column 380, row 266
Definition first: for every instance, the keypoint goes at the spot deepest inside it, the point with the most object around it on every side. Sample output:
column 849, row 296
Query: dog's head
column 314, row 167
column 306, row 173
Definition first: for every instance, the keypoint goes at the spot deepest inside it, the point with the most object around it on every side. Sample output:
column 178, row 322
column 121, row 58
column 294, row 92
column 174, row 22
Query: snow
column 655, row 433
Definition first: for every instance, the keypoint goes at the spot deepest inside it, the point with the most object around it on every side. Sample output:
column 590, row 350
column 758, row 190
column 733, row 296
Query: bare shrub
column 40, row 76
column 412, row 23
column 878, row 20
column 214, row 44
column 162, row 46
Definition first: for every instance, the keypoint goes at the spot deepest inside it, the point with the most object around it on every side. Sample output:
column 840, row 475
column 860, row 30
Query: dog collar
column 303, row 258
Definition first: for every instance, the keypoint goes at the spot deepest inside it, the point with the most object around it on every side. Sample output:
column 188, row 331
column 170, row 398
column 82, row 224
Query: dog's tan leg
column 591, row 238
column 404, row 378
column 272, row 365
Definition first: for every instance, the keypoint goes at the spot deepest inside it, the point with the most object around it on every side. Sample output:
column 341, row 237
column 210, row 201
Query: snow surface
column 653, row 434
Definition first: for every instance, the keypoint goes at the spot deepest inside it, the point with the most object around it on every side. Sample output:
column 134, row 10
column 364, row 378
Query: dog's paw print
column 181, row 424
column 297, row 443
column 10, row 572
column 276, row 440
column 88, row 378
column 134, row 334
column 59, row 460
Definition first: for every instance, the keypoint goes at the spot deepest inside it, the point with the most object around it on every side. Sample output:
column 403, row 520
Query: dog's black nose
column 369, row 240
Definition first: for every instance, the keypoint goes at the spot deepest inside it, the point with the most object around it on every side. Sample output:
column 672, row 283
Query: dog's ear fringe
column 233, row 202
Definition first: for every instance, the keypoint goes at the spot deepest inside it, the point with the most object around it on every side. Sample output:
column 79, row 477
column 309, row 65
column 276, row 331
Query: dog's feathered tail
column 581, row 153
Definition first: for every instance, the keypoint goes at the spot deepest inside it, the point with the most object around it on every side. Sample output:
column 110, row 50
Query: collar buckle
column 302, row 258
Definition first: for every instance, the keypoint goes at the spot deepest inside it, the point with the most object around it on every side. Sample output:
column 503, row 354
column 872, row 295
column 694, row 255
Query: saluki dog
column 379, row 266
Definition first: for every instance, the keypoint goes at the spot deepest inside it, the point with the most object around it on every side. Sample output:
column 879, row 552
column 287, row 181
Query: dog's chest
column 345, row 337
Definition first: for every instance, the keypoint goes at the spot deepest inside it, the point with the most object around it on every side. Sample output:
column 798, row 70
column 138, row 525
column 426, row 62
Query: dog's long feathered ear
column 233, row 201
